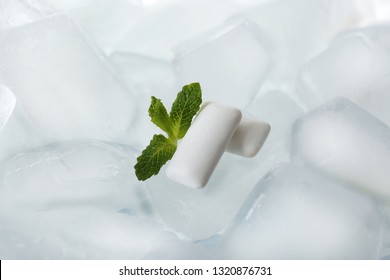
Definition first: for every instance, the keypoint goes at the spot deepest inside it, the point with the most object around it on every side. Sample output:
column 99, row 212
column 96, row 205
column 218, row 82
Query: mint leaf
column 184, row 108
column 160, row 117
column 156, row 154
column 176, row 124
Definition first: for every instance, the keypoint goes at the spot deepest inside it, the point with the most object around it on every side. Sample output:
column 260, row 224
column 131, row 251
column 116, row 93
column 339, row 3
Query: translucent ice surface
column 20, row 133
column 348, row 143
column 356, row 65
column 80, row 173
column 385, row 253
column 168, row 23
column 297, row 214
column 381, row 10
column 202, row 214
column 66, row 5
column 76, row 80
column 105, row 22
column 301, row 28
column 169, row 246
column 62, row 83
column 7, row 105
column 89, row 187
column 230, row 62
column 263, row 108
column 76, row 233
column 18, row 12
column 145, row 77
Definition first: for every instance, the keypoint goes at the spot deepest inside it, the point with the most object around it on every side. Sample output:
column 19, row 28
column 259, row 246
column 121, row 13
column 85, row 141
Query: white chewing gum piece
column 248, row 138
column 199, row 152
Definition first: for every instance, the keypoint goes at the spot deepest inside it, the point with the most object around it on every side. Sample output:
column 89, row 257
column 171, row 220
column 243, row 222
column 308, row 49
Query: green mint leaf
column 184, row 108
column 176, row 124
column 160, row 117
column 156, row 154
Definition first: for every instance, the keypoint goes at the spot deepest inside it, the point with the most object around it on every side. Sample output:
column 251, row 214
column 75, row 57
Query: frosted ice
column 168, row 23
column 348, row 143
column 73, row 174
column 82, row 233
column 104, row 212
column 295, row 213
column 385, row 252
column 20, row 133
column 230, row 62
column 280, row 110
column 67, row 183
column 106, row 22
column 7, row 105
column 381, row 10
column 66, row 5
column 18, row 12
column 169, row 246
column 81, row 200
column 202, row 214
column 301, row 28
column 356, row 65
column 146, row 77
column 62, row 83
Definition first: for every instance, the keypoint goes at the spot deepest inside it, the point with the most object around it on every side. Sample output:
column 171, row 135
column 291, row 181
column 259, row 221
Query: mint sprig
column 156, row 154
column 161, row 148
column 184, row 108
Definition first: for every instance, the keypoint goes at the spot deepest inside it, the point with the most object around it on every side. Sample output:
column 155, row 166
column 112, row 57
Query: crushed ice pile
column 76, row 78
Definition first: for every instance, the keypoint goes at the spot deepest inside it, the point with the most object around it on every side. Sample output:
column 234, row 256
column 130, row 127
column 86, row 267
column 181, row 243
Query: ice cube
column 74, row 174
column 348, row 143
column 18, row 12
column 62, row 83
column 169, row 246
column 146, row 77
column 195, row 214
column 75, row 200
column 356, row 66
column 21, row 133
column 16, row 244
column 280, row 110
column 76, row 233
column 381, row 10
column 66, row 5
column 300, row 29
column 377, row 35
column 167, row 23
column 385, row 250
column 230, row 62
column 7, row 105
column 295, row 213
column 106, row 22
column 202, row 214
